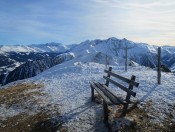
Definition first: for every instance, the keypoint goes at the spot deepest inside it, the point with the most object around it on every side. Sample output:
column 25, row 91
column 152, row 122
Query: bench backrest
column 131, row 82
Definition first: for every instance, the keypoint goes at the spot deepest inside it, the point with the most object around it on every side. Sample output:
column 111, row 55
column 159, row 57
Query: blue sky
column 74, row 21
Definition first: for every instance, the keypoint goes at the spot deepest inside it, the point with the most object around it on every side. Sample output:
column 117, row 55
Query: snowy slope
column 173, row 67
column 68, row 85
column 74, row 93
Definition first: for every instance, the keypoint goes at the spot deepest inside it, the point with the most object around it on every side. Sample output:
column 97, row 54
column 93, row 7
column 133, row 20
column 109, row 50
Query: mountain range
column 20, row 62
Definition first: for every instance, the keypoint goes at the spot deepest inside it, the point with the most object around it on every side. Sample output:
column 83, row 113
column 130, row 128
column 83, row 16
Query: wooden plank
column 101, row 93
column 113, row 93
column 120, row 86
column 122, row 78
column 112, row 98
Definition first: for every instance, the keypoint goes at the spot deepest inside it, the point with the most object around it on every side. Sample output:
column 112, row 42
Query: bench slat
column 120, row 86
column 122, row 78
column 100, row 93
column 112, row 98
column 113, row 93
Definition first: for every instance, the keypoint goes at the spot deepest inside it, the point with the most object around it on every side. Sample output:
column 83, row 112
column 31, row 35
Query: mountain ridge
column 47, row 47
column 111, row 51
column 142, row 53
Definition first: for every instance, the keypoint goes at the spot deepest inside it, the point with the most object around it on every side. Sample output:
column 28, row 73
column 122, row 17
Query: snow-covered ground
column 68, row 86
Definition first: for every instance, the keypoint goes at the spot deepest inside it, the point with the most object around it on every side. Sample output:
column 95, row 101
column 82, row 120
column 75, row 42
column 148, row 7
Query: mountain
column 32, row 68
column 112, row 51
column 48, row 47
column 168, row 56
column 13, row 56
column 114, row 48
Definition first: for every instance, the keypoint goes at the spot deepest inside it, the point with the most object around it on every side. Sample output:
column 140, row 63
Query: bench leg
column 92, row 94
column 105, row 110
column 124, row 109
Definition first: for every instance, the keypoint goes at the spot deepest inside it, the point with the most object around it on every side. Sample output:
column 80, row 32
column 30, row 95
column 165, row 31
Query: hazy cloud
column 76, row 20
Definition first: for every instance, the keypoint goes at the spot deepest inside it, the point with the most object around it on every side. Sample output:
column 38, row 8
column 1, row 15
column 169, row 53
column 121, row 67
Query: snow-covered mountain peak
column 111, row 46
column 48, row 47
column 16, row 48
column 48, row 44
column 141, row 53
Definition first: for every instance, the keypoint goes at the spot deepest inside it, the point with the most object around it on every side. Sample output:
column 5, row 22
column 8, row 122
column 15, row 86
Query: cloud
column 151, row 4
column 76, row 20
column 133, row 19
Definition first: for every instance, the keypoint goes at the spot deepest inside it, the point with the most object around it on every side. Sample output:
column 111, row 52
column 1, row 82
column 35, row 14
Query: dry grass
column 17, row 95
column 23, row 122
column 139, row 120
column 29, row 98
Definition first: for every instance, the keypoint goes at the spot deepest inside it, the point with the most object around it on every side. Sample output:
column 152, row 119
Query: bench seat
column 109, row 96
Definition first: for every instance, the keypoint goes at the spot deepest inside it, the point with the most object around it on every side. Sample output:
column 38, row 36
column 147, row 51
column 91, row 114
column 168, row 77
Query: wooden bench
column 109, row 96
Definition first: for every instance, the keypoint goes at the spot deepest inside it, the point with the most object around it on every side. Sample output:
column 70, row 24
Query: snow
column 68, row 86
column 173, row 67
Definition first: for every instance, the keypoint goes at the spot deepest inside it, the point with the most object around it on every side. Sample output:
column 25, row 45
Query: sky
column 74, row 21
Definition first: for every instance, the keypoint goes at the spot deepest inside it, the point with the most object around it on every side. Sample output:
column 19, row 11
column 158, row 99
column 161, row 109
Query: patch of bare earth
column 33, row 111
